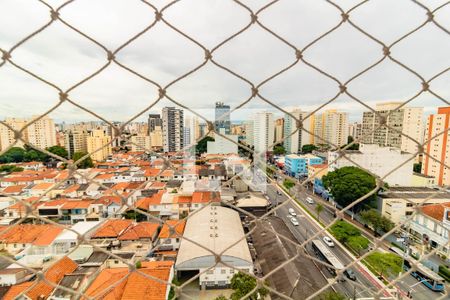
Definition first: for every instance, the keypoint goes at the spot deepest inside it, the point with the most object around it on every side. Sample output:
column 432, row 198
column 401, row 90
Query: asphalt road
column 408, row 283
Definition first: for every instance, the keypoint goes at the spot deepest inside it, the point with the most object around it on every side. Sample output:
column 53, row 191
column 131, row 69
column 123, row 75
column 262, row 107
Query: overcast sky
column 64, row 57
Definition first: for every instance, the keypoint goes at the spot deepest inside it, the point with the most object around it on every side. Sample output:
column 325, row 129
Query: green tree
column 15, row 154
column 202, row 145
column 288, row 184
column 331, row 296
column 417, row 167
column 308, row 148
column 221, row 297
column 10, row 169
column 353, row 146
column 385, row 263
column 378, row 222
column 242, row 284
column 279, row 150
column 86, row 163
column 319, row 210
column 58, row 150
column 349, row 235
column 34, row 155
column 348, row 184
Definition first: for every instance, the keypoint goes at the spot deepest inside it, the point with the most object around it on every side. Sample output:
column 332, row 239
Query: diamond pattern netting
column 299, row 56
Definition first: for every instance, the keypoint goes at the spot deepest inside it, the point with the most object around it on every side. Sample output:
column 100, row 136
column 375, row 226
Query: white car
column 310, row 200
column 294, row 221
column 292, row 212
column 328, row 241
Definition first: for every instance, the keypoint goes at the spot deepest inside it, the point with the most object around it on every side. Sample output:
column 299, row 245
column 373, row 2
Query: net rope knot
column 5, row 55
column 254, row 91
column 158, row 15
column 63, row 96
column 345, row 17
column 110, row 55
column 298, row 54
column 54, row 15
column 254, row 18
column 425, row 86
column 208, row 54
column 430, row 16
column 162, row 93
column 386, row 51
column 342, row 89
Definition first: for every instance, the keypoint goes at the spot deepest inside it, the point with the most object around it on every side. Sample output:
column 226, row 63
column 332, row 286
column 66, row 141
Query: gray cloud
column 64, row 57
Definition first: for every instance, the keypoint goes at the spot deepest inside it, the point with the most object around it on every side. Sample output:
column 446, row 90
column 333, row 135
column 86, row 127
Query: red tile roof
column 205, row 197
column 435, row 211
column 14, row 189
column 177, row 225
column 28, row 233
column 110, row 283
column 112, row 228
column 142, row 230
column 53, row 274
column 144, row 203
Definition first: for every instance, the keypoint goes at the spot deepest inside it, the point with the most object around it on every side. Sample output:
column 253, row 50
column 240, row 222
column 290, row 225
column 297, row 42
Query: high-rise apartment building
column 140, row 142
column 7, row 136
column 354, row 130
column 263, row 131
column 437, row 133
column 98, row 139
column 249, row 132
column 331, row 128
column 406, row 120
column 156, row 139
column 75, row 141
column 294, row 143
column 173, row 132
column 279, row 129
column 222, row 117
column 153, row 121
column 40, row 133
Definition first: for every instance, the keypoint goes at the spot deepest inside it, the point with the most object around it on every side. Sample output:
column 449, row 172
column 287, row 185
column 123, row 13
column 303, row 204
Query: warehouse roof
column 215, row 228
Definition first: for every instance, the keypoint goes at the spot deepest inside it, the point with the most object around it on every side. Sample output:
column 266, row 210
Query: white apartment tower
column 263, row 131
column 406, row 120
column 7, row 136
column 295, row 142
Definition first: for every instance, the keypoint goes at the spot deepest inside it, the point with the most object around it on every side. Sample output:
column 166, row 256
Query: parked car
column 328, row 241
column 294, row 221
column 309, row 200
column 350, row 274
column 292, row 212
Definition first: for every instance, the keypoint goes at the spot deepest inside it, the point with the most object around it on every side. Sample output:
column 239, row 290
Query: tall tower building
column 249, row 132
column 331, row 127
column 173, row 132
column 153, row 121
column 263, row 131
column 222, row 121
column 354, row 130
column 96, row 140
column 279, row 130
column 42, row 133
column 7, row 136
column 438, row 147
column 75, row 141
column 406, row 120
column 295, row 142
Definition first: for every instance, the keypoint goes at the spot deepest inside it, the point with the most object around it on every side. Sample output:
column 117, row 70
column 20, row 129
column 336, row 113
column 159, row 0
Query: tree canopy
column 27, row 154
column 84, row 164
column 348, row 234
column 331, row 296
column 348, row 184
column 242, row 284
column 10, row 169
column 378, row 222
column 202, row 145
column 308, row 148
column 279, row 149
column 385, row 263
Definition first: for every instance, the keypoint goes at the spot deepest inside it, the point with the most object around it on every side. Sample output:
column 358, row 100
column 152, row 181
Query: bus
column 324, row 253
column 423, row 274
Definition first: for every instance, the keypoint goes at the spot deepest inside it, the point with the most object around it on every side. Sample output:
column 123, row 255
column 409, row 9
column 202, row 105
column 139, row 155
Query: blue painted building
column 297, row 165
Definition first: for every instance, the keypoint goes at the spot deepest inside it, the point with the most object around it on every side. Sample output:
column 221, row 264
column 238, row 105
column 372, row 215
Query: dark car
column 350, row 274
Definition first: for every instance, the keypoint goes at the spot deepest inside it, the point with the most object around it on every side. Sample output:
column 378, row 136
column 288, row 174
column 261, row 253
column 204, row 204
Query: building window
column 223, row 271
